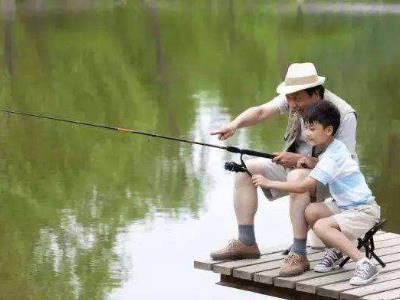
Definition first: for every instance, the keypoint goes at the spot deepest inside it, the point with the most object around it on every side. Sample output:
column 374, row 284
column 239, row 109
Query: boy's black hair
column 324, row 113
column 319, row 89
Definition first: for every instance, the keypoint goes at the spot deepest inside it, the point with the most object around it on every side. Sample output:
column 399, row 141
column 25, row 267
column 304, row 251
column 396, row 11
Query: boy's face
column 316, row 134
column 300, row 101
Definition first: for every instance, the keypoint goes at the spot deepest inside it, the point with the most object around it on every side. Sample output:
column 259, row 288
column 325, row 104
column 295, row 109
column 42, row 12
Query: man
column 301, row 89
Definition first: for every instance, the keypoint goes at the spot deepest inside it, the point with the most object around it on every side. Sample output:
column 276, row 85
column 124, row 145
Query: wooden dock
column 261, row 275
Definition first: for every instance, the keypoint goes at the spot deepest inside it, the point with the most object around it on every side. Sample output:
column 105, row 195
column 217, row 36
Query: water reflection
column 86, row 213
column 160, row 249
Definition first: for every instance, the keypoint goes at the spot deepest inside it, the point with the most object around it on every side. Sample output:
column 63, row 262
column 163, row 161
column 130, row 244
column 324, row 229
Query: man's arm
column 249, row 117
column 255, row 115
column 298, row 187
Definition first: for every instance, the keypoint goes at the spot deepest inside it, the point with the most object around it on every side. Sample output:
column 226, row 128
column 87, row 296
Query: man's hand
column 287, row 159
column 307, row 162
column 260, row 181
column 225, row 131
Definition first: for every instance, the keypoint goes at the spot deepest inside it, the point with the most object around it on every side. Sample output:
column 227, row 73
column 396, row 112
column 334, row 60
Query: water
column 91, row 214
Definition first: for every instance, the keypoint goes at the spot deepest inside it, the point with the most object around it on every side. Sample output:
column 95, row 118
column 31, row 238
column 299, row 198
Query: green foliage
column 67, row 191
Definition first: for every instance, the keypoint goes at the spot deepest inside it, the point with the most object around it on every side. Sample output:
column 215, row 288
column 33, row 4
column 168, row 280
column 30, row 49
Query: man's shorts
column 276, row 172
column 355, row 222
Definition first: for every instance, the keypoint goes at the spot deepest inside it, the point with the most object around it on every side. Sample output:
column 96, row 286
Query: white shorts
column 355, row 222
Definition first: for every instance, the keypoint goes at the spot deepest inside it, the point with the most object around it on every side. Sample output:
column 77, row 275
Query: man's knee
column 297, row 174
column 255, row 166
column 258, row 165
column 242, row 179
column 311, row 214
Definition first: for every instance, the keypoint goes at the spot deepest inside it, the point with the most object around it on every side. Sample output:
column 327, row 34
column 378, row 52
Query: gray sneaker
column 329, row 262
column 364, row 273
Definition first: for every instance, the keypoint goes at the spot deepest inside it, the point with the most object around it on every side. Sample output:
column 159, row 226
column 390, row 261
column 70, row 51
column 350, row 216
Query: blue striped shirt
column 342, row 174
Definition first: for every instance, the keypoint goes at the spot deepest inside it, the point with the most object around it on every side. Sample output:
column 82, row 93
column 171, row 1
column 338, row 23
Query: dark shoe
column 294, row 265
column 330, row 261
column 236, row 250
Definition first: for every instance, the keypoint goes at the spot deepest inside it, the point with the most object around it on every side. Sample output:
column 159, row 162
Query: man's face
column 300, row 101
column 316, row 134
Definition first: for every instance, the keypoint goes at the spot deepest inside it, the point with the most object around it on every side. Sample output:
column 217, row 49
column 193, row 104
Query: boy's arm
column 297, row 187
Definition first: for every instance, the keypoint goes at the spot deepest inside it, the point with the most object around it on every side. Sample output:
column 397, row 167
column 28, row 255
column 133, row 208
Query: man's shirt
column 337, row 169
column 346, row 132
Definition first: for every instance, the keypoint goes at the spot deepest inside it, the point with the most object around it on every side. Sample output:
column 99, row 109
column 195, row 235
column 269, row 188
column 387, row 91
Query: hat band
column 301, row 80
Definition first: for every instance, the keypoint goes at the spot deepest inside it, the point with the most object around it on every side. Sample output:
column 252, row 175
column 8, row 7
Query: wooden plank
column 387, row 243
column 388, row 295
column 248, row 272
column 227, row 268
column 386, row 236
column 205, row 263
column 333, row 290
column 311, row 285
column 371, row 289
column 382, row 277
column 391, row 271
column 208, row 263
column 290, row 282
column 266, row 277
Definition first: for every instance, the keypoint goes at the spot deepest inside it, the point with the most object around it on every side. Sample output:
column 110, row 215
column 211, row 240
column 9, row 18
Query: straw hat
column 300, row 76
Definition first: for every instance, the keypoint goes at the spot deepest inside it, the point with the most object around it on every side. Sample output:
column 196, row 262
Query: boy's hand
column 260, row 181
column 287, row 159
column 225, row 131
column 306, row 162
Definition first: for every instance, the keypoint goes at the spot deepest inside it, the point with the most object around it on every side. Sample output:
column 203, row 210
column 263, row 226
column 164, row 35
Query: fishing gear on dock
column 230, row 166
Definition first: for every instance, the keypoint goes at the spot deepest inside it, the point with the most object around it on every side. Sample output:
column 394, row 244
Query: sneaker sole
column 334, row 267
column 293, row 274
column 323, row 270
column 364, row 282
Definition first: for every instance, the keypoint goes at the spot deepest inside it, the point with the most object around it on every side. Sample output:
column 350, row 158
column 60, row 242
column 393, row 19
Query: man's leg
column 245, row 195
column 297, row 207
column 245, row 202
column 296, row 263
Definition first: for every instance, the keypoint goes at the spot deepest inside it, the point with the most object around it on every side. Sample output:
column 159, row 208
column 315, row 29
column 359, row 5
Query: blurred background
column 91, row 214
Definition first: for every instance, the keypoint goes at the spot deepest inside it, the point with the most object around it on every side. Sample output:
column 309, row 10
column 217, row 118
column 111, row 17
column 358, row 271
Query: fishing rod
column 231, row 166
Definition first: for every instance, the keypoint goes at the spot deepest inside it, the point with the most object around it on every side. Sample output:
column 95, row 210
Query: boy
column 351, row 211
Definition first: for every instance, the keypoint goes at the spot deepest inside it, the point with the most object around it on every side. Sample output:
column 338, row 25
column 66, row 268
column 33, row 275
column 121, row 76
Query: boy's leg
column 328, row 230
column 313, row 213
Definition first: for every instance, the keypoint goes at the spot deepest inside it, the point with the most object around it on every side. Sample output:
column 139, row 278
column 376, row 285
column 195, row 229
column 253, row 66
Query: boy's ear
column 329, row 130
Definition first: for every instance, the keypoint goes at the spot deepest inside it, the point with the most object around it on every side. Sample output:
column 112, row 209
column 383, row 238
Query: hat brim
column 284, row 89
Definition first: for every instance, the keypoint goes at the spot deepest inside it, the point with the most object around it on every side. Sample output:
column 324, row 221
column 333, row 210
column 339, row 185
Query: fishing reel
column 235, row 167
